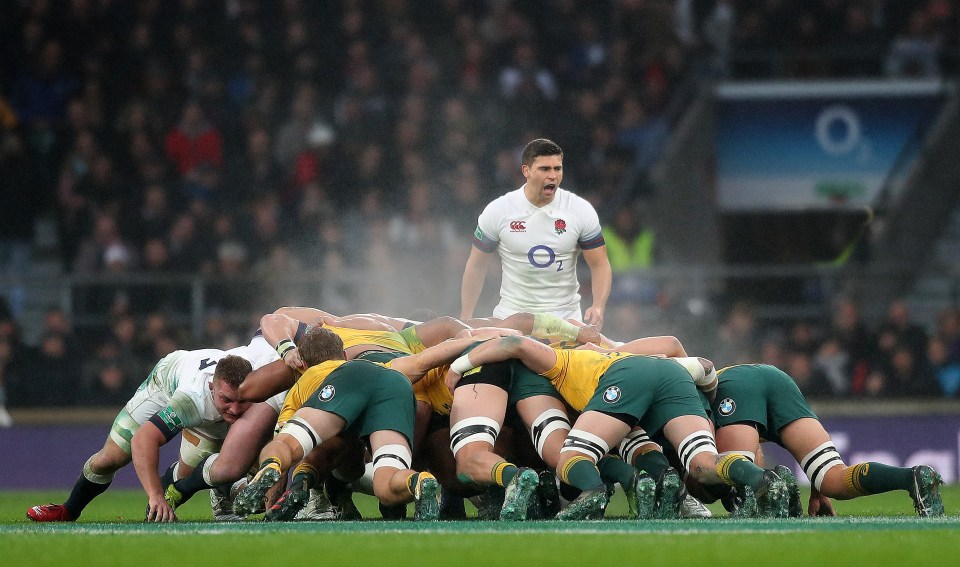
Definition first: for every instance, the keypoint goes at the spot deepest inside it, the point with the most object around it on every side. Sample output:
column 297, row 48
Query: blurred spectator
column 914, row 52
column 193, row 141
column 737, row 336
column 946, row 371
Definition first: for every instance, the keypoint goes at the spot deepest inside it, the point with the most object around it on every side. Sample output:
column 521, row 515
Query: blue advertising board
column 822, row 145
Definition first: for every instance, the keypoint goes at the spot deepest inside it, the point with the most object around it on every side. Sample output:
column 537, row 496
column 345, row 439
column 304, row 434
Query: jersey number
column 550, row 259
column 206, row 363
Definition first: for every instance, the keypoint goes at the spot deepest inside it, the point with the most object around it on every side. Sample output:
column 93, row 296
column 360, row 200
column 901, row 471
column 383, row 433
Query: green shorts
column 651, row 391
column 761, row 395
column 512, row 376
column 369, row 398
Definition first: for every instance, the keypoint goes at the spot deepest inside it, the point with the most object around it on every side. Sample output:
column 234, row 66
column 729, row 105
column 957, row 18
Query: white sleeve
column 487, row 235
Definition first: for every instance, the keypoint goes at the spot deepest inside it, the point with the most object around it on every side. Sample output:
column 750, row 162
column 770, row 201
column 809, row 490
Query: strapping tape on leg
column 545, row 424
column 395, row 456
column 637, row 442
column 300, row 430
column 817, row 462
column 580, row 441
column 694, row 444
column 472, row 430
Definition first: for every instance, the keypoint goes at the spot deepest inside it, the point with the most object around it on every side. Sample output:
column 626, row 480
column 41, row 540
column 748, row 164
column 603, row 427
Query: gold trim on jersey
column 308, row 383
column 387, row 339
column 577, row 373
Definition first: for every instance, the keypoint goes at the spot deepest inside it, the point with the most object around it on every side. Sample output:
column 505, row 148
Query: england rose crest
column 560, row 226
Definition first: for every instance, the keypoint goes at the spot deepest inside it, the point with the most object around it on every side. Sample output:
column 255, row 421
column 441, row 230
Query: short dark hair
column 232, row 369
column 320, row 344
column 537, row 148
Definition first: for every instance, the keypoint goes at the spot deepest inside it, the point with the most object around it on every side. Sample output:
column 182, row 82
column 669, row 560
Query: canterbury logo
column 517, row 226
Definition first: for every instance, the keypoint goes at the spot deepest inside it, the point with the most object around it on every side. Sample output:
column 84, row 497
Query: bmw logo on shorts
column 727, row 406
column 611, row 395
column 327, row 393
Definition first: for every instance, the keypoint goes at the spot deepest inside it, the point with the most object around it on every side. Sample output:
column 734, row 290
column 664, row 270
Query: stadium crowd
column 242, row 138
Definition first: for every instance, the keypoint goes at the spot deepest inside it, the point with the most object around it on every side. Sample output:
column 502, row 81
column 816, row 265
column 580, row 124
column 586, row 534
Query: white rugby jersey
column 182, row 381
column 538, row 248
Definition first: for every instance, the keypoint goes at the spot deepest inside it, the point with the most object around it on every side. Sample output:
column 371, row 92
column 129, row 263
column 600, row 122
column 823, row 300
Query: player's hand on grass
column 159, row 511
column 594, row 316
column 820, row 505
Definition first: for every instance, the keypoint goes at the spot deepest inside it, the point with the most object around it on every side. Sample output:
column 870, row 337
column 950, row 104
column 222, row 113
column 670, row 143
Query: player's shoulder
column 507, row 202
column 571, row 200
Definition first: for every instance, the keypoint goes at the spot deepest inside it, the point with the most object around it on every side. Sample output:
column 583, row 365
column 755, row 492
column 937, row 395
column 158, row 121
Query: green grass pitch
column 878, row 530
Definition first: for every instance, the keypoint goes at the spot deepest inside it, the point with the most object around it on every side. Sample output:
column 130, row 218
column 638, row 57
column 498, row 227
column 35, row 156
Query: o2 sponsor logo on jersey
column 327, row 393
column 537, row 259
column 612, row 395
column 518, row 226
column 560, row 226
column 727, row 407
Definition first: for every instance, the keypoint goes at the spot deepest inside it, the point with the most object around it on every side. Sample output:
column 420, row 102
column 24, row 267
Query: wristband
column 285, row 346
column 461, row 364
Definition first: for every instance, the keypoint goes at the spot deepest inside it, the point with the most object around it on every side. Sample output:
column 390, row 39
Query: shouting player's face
column 543, row 179
column 226, row 398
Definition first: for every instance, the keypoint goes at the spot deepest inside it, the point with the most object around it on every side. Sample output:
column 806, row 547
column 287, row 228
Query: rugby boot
column 339, row 496
column 221, row 502
column 490, row 501
column 251, row 497
column 548, row 494
column 794, row 505
column 395, row 512
column 773, row 499
column 49, row 513
column 690, row 507
column 451, row 507
column 289, row 505
column 668, row 495
column 516, row 496
column 926, row 492
column 426, row 495
column 641, row 496
column 590, row 505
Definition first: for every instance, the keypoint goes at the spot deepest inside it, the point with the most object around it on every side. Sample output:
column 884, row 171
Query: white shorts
column 502, row 312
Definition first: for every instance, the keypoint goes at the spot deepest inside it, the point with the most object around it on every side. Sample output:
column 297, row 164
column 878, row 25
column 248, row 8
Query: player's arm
column 396, row 323
column 282, row 331
column 473, row 275
column 309, row 315
column 359, row 322
column 535, row 355
column 665, row 345
column 437, row 330
column 417, row 365
column 266, row 381
column 601, row 279
column 145, row 450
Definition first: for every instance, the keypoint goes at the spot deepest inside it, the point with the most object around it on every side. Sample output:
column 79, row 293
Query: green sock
column 613, row 469
column 503, row 473
column 652, row 462
column 743, row 472
column 874, row 478
column 580, row 472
